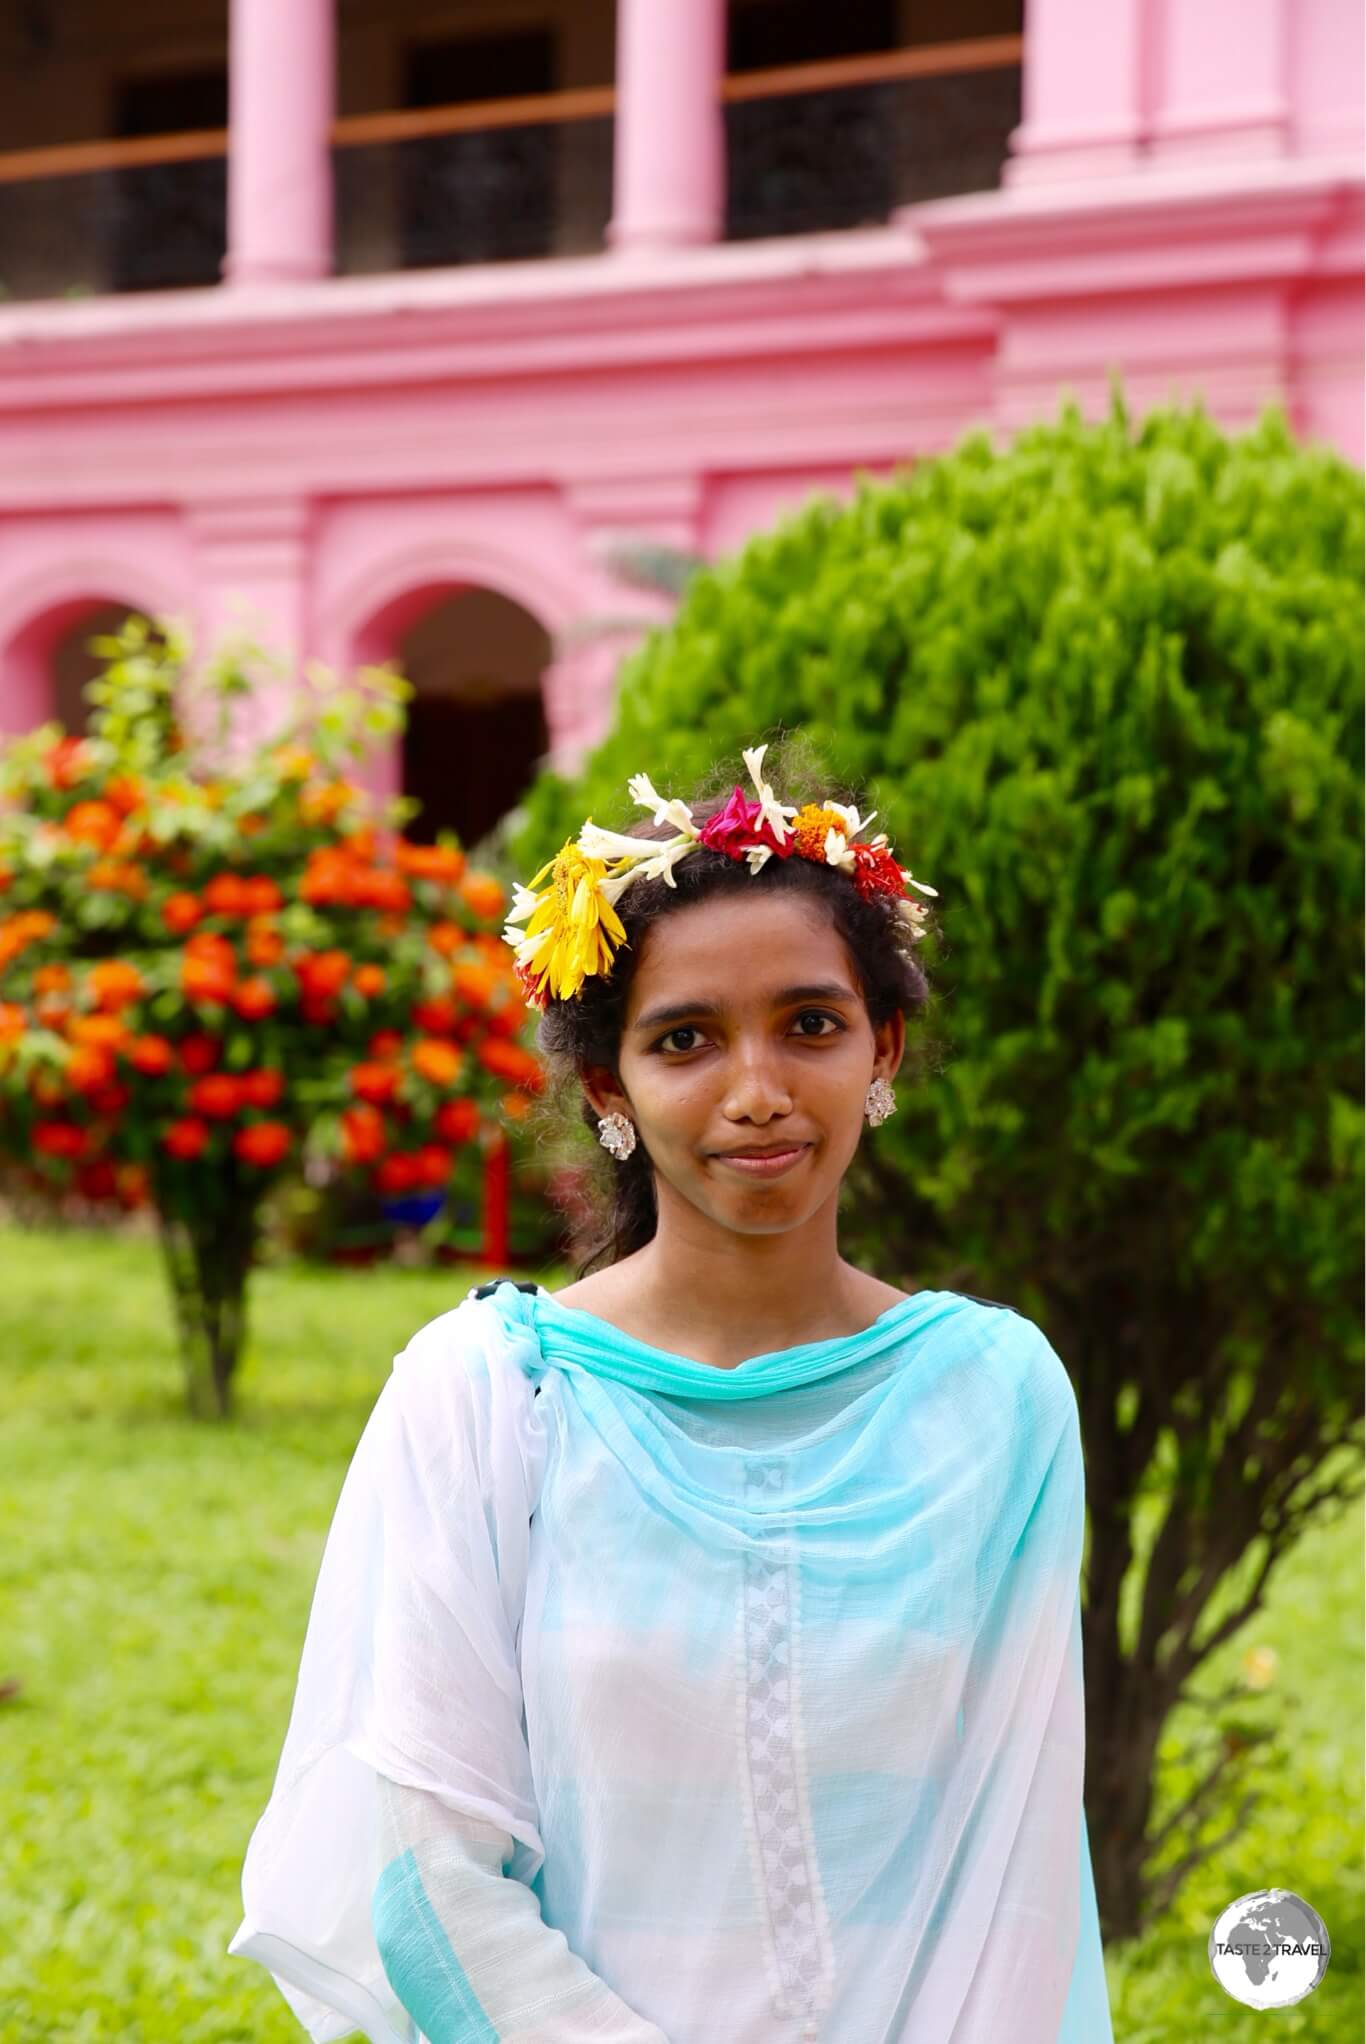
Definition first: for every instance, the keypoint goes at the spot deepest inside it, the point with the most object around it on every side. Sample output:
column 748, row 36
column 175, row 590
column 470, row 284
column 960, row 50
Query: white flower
column 524, row 900
column 837, row 852
column 854, row 824
column 771, row 811
column 923, row 885
column 677, row 813
column 758, row 855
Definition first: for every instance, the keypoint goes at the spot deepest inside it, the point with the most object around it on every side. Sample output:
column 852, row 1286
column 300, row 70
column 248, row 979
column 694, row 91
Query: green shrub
column 1103, row 688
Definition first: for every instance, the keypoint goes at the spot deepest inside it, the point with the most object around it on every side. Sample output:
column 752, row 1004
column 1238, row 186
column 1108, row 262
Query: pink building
column 401, row 329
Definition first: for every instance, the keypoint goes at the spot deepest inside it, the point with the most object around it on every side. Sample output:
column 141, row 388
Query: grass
column 157, row 1577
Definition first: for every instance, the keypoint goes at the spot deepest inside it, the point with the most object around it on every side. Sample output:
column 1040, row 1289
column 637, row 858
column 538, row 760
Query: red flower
column 738, row 826
column 457, row 1121
column 226, row 895
column 151, row 1055
column 436, row 1018
column 180, row 912
column 254, row 999
column 199, row 1053
column 363, row 1134
column 876, row 871
column 264, row 1143
column 59, row 1139
column 218, row 1096
column 185, row 1138
column 385, row 1044
column 374, row 1082
column 263, row 1088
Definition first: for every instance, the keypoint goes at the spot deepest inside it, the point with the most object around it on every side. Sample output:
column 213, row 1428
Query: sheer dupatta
column 772, row 1675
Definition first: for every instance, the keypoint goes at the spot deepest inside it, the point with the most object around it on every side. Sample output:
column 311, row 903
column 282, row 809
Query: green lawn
column 158, row 1576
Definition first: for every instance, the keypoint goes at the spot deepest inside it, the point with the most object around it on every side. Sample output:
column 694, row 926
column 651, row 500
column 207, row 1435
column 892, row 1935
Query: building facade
column 445, row 334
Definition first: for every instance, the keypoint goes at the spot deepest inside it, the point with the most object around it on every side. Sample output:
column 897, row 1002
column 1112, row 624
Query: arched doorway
column 46, row 664
column 72, row 664
column 476, row 722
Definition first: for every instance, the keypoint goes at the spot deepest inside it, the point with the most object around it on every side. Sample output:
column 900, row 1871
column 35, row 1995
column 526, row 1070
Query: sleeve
column 465, row 1947
column 409, row 1673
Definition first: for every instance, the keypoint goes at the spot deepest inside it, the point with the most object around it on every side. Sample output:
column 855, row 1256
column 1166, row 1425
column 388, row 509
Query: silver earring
column 617, row 1134
column 880, row 1102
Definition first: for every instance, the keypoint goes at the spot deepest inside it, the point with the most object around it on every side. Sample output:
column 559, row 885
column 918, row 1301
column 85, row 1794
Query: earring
column 880, row 1102
column 617, row 1134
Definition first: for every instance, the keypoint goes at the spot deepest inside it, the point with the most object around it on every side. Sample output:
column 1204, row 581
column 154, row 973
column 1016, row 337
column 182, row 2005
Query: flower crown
column 573, row 928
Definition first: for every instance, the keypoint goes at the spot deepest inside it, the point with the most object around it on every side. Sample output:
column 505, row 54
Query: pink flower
column 738, row 827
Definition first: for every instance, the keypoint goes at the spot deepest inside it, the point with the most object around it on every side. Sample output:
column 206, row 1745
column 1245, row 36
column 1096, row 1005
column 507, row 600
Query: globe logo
column 1269, row 1949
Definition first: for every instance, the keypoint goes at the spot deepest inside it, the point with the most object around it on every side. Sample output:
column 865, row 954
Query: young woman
column 696, row 1651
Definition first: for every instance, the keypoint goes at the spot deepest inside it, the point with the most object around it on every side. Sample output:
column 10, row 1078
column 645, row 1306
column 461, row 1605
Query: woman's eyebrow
column 677, row 1011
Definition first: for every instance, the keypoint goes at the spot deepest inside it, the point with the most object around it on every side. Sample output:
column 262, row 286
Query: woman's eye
column 807, row 1015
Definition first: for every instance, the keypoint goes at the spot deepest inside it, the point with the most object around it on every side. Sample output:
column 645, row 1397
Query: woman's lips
column 772, row 1166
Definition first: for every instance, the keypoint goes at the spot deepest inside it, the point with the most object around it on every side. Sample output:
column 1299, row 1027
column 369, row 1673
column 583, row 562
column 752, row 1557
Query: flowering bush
column 203, row 971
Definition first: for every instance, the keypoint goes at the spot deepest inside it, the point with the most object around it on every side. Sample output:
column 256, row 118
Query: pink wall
column 323, row 457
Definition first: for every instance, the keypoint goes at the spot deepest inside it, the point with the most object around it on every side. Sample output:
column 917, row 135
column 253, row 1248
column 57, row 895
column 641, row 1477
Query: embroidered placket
column 798, row 1946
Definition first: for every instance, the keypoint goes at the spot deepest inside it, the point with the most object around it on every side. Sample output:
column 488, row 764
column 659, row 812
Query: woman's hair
column 586, row 1029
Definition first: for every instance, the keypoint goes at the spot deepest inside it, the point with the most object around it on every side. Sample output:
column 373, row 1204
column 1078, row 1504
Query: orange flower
column 117, row 876
column 180, row 912
column 374, row 1082
column 126, row 792
column 437, row 1061
column 251, row 824
column 151, row 1055
column 219, row 1096
column 321, row 973
column 474, row 984
column 225, row 895
column 254, row 999
column 199, row 1053
column 60, row 1139
column 324, row 801
column 435, row 1018
column 51, row 979
column 483, row 895
column 371, row 981
column 446, row 938
column 515, row 1106
column 511, row 1061
column 262, row 1088
column 108, row 1031
column 115, row 983
column 265, row 1143
column 206, row 978
column 13, row 1021
column 444, row 863
column 457, row 1121
column 265, row 945
column 384, row 1045
column 94, row 823
column 363, row 1134
column 262, row 895
column 69, row 761
column 185, row 1138
column 89, row 1066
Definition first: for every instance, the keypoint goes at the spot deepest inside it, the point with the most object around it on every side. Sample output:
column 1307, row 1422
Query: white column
column 670, row 138
column 281, row 92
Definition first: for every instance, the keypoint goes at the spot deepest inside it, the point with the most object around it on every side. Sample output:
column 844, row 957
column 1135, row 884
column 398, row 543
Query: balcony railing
column 810, row 148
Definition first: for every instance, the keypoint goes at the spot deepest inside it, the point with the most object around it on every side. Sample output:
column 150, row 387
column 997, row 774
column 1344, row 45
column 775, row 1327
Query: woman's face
column 745, row 1029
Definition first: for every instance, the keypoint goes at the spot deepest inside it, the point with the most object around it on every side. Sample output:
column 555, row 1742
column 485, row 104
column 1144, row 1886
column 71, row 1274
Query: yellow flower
column 572, row 929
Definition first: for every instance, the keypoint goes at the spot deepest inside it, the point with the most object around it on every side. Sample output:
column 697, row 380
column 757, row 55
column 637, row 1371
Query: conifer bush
column 1104, row 688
